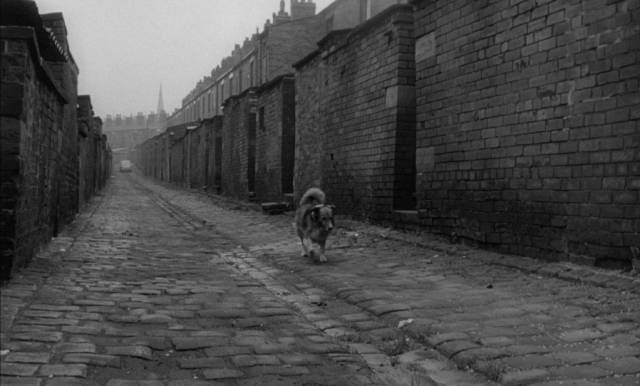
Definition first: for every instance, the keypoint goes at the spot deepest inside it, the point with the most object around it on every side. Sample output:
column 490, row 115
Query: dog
column 314, row 223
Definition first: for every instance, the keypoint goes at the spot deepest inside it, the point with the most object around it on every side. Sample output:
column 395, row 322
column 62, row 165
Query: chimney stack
column 302, row 8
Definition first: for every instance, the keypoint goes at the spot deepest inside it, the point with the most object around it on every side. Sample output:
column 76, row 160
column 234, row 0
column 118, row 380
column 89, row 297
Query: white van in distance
column 125, row 166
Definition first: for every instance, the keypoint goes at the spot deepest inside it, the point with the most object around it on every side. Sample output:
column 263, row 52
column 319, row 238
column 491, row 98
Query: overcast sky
column 126, row 48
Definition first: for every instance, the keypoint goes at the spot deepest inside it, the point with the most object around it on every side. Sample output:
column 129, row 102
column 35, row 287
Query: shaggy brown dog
column 314, row 222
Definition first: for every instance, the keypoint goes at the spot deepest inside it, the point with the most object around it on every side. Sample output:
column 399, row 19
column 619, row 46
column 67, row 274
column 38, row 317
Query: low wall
column 355, row 114
column 528, row 126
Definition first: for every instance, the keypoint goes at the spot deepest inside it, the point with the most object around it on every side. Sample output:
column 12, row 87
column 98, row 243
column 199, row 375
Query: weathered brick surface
column 39, row 165
column 528, row 124
column 185, row 154
column 275, row 139
column 176, row 153
column 30, row 143
column 94, row 154
column 238, row 160
column 153, row 157
column 354, row 113
column 66, row 75
column 196, row 142
column 283, row 44
column 214, row 153
column 125, row 133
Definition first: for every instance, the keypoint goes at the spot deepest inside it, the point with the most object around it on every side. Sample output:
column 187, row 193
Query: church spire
column 160, row 102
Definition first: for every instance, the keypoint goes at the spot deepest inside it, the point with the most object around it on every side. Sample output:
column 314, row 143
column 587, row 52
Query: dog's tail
column 313, row 196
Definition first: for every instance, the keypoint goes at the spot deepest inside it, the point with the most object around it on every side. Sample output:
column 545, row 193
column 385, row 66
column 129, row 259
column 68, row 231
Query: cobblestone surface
column 131, row 295
column 174, row 287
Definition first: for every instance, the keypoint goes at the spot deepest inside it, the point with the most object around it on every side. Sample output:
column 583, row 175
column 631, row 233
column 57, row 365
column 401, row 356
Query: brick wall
column 177, row 154
column 66, row 75
column 94, row 154
column 275, row 139
column 354, row 108
column 31, row 109
column 528, row 125
column 197, row 140
column 286, row 43
column 213, row 153
column 239, row 120
column 153, row 157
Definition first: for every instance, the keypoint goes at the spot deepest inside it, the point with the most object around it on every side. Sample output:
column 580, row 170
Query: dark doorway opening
column 288, row 136
column 251, row 156
column 217, row 173
column 404, row 188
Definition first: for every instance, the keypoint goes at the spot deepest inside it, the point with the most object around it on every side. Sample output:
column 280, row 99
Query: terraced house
column 245, row 107
column 509, row 124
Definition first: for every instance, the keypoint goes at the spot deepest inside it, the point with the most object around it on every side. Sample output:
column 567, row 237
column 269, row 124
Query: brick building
column 255, row 65
column 286, row 38
column 275, row 139
column 39, row 145
column 355, row 114
column 513, row 125
column 126, row 132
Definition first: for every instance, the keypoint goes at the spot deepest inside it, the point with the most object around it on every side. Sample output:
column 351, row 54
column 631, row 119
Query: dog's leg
column 323, row 258
column 306, row 246
column 318, row 252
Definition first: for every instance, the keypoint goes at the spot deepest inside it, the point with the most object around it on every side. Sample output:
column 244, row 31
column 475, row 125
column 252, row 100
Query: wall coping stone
column 345, row 37
column 274, row 82
column 29, row 34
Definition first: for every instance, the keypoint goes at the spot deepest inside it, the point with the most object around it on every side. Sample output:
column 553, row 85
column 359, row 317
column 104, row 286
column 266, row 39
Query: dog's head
column 323, row 216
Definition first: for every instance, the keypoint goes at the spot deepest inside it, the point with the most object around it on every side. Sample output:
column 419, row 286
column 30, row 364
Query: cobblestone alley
column 152, row 285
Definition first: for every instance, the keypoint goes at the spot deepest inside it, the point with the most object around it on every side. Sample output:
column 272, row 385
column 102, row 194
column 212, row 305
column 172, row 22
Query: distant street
column 153, row 285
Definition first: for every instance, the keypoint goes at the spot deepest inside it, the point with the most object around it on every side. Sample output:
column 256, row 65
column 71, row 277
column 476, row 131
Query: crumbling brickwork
column 354, row 108
column 528, row 125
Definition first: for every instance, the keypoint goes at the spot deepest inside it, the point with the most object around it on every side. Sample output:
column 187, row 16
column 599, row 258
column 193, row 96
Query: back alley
column 153, row 285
